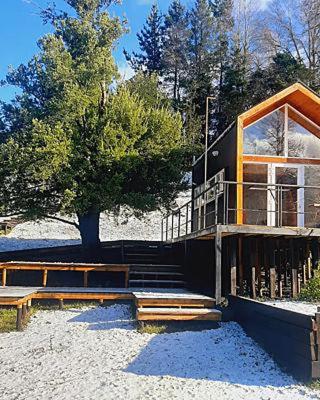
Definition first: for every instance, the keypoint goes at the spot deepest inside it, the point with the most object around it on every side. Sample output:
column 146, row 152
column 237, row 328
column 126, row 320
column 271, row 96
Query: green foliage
column 311, row 292
column 76, row 143
column 151, row 44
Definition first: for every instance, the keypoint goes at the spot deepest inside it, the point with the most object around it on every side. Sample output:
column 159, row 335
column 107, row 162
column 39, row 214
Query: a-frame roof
column 297, row 95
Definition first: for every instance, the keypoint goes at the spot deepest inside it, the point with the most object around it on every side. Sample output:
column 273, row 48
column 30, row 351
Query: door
column 285, row 202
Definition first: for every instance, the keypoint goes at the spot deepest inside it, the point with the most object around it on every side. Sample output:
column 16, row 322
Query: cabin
column 256, row 201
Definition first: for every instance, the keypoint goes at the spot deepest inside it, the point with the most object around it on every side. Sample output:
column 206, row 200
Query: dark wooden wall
column 290, row 337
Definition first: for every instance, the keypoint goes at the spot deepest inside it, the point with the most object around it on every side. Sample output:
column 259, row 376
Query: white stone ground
column 125, row 226
column 96, row 353
column 297, row 306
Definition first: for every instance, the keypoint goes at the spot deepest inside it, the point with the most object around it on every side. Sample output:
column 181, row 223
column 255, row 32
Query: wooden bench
column 46, row 267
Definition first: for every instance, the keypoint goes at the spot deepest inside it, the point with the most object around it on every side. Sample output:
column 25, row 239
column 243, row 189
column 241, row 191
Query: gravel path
column 96, row 353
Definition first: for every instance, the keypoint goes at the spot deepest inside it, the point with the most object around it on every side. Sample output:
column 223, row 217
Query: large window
column 284, row 132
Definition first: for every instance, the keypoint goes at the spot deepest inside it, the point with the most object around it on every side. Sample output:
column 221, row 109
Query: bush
column 311, row 292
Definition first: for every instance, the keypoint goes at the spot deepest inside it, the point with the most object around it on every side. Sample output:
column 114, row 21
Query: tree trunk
column 89, row 229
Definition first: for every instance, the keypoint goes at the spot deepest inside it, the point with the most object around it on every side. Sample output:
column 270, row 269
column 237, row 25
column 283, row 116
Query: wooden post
column 318, row 332
column 4, row 277
column 29, row 303
column 253, row 259
column 45, row 278
column 309, row 265
column 280, row 265
column 85, row 279
column 233, row 265
column 24, row 310
column 272, row 270
column 101, row 301
column 126, row 279
column 218, row 263
column 19, row 317
column 294, row 270
column 272, row 283
column 60, row 304
column 240, row 265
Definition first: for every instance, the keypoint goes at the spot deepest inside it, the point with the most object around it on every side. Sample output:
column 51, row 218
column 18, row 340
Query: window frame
column 286, row 131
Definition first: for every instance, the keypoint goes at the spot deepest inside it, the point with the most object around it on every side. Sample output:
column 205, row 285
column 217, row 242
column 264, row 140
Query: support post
column 253, row 258
column 24, row 310
column 233, row 266
column 218, row 259
column 294, row 270
column 85, row 279
column 4, row 277
column 60, row 304
column 19, row 318
column 126, row 277
column 45, row 278
column 272, row 283
column 240, row 264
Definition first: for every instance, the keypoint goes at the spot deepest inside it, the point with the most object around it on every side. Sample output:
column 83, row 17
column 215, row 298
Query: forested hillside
column 236, row 51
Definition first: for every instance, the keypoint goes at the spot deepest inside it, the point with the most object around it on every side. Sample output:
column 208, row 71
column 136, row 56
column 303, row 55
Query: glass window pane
column 301, row 141
column 266, row 137
column 312, row 197
column 255, row 196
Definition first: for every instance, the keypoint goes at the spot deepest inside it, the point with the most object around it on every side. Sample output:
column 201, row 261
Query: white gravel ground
column 96, row 353
column 50, row 233
column 297, row 306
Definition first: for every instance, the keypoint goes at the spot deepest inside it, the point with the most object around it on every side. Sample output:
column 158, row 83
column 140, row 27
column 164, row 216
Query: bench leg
column 60, row 304
column 19, row 318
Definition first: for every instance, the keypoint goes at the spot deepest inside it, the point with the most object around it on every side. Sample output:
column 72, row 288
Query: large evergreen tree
column 151, row 44
column 201, row 54
column 175, row 51
column 77, row 146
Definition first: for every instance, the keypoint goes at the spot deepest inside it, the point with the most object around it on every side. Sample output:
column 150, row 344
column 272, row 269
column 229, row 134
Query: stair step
column 157, row 281
column 174, row 302
column 184, row 314
column 162, row 273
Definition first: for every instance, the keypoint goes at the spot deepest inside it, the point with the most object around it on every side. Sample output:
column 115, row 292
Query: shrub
column 311, row 291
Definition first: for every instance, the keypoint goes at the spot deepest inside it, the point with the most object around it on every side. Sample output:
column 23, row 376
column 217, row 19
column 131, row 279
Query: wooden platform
column 167, row 304
column 248, row 230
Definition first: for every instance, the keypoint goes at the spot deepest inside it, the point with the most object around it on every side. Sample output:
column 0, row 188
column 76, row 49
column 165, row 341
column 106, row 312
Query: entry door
column 285, row 206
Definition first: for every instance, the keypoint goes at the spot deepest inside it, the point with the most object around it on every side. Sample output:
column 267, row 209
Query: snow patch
column 96, row 353
column 297, row 306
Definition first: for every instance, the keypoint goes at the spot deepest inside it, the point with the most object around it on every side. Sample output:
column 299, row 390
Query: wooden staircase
column 150, row 267
column 175, row 307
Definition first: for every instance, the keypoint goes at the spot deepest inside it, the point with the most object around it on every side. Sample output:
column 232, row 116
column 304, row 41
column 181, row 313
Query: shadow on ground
column 114, row 316
column 224, row 354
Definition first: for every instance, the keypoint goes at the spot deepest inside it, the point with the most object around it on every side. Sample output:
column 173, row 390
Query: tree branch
column 65, row 221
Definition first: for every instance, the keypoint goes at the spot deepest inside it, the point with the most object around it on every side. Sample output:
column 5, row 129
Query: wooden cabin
column 256, row 192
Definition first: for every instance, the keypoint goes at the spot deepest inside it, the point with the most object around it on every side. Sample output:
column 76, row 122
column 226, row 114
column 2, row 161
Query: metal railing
column 282, row 205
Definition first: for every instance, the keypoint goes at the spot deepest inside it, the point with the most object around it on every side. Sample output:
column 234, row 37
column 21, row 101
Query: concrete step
column 178, row 314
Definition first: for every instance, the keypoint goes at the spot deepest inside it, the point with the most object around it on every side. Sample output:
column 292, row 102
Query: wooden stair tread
column 169, row 310
column 156, row 281
column 155, row 273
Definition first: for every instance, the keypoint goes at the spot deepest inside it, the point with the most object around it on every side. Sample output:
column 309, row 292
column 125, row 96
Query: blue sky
column 21, row 27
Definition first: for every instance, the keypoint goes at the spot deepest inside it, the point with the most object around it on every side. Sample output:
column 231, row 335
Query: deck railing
column 282, row 205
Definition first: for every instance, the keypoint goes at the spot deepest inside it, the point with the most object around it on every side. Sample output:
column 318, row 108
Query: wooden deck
column 168, row 304
column 248, row 230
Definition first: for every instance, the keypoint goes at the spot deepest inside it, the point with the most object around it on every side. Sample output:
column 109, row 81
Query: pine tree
column 175, row 51
column 151, row 45
column 78, row 146
column 201, row 54
column 222, row 11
